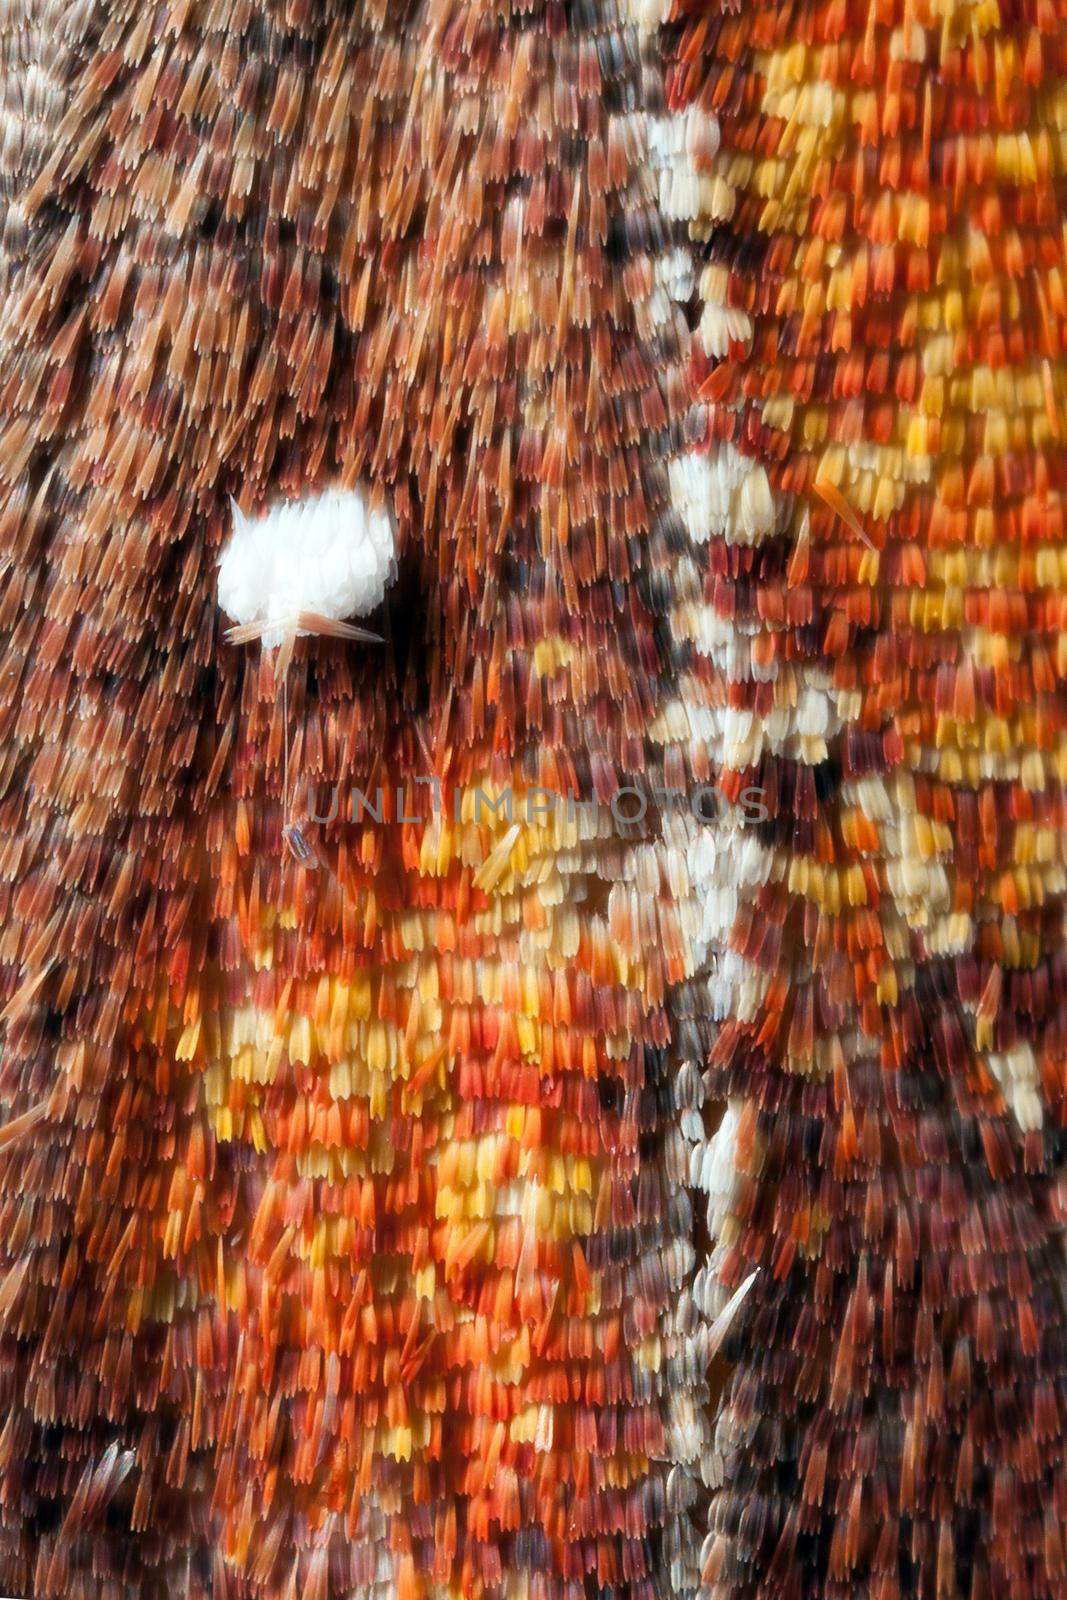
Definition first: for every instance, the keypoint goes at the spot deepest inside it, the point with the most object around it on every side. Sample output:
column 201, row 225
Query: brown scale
column 271, row 248
column 896, row 1431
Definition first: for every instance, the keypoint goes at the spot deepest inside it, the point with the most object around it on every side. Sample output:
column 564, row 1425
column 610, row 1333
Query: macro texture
column 554, row 1091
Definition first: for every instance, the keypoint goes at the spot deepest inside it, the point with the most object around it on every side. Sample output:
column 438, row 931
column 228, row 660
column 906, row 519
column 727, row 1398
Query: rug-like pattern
column 548, row 1084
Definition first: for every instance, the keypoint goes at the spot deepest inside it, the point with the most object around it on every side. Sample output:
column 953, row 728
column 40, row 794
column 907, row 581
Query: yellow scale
column 241, row 1053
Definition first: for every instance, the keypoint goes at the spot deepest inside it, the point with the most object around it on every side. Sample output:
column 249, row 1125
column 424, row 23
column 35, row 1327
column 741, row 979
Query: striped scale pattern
column 501, row 1199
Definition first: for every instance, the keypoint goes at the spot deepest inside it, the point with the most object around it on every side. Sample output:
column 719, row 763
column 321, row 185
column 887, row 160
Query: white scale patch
column 329, row 555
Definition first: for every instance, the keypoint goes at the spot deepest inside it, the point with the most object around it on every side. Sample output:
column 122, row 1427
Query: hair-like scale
column 411, row 1186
